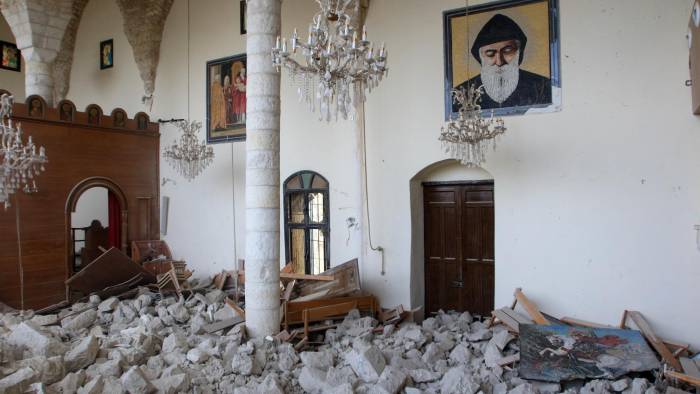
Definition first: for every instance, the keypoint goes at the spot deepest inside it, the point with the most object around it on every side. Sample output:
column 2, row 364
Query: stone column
column 262, row 256
column 38, row 27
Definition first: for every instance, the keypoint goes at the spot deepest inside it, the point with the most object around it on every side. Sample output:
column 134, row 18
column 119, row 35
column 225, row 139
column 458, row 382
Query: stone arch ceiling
column 143, row 25
column 64, row 59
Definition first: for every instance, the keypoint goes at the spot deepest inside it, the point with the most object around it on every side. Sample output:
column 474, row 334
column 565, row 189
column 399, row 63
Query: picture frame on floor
column 226, row 99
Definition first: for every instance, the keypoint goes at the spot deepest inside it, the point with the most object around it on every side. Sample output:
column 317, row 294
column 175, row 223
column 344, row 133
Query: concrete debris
column 154, row 344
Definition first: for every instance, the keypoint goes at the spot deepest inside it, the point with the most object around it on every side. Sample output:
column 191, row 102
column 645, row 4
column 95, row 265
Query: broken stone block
column 19, row 381
column 461, row 354
column 82, row 320
column 45, row 320
column 546, row 388
column 367, row 363
column 500, row 388
column 172, row 384
column 481, row 334
column 245, row 364
column 412, row 390
column 105, row 368
column 108, row 305
column 112, row 386
column 392, row 380
column 271, row 385
column 179, row 312
column 673, row 390
column 501, row 339
column 286, row 356
column 432, row 354
column 197, row 356
column 93, row 387
column 458, row 380
column 525, row 388
column 620, row 385
column 492, row 355
column 174, row 342
column 215, row 296
column 135, row 382
column 312, row 380
column 338, row 376
column 224, row 313
column 83, row 354
column 30, row 335
column 388, row 330
column 71, row 383
column 423, row 375
column 320, row 360
column 639, row 386
column 49, row 370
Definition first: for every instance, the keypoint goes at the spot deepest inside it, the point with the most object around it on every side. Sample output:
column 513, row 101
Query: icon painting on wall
column 106, row 54
column 11, row 56
column 226, row 99
column 513, row 52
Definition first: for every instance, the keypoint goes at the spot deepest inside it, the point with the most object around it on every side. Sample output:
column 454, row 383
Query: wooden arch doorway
column 72, row 202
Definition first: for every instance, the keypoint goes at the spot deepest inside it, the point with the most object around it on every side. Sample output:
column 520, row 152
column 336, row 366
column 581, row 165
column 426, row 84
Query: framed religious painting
column 11, row 57
column 226, row 99
column 510, row 49
column 106, row 54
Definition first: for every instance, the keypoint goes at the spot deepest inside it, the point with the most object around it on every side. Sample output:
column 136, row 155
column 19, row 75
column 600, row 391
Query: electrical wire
column 379, row 248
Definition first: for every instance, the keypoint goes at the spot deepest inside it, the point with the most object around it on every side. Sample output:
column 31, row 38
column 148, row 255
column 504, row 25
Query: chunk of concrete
column 320, row 360
column 620, row 384
column 134, row 382
column 19, row 381
column 70, row 383
column 271, row 385
column 45, row 320
column 49, row 370
column 481, row 334
column 392, row 380
column 458, row 380
column 108, row 305
column 461, row 354
column 30, row 335
column 173, row 384
column 501, row 339
column 423, row 375
column 83, row 320
column 367, row 363
column 93, row 387
column 196, row 356
column 83, row 354
column 525, row 388
column 313, row 380
column 245, row 364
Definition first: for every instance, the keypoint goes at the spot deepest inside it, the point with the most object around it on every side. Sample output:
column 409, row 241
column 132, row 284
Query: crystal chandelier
column 338, row 66
column 468, row 135
column 19, row 162
column 188, row 156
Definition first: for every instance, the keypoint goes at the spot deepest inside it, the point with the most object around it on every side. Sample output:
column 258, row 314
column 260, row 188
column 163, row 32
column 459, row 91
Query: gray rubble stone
column 312, row 380
column 93, row 387
column 45, row 320
column 83, row 354
column 392, row 380
column 70, row 383
column 501, row 339
column 80, row 321
column 18, row 382
column 458, row 380
column 49, row 370
column 340, row 375
column 245, row 364
column 197, row 356
column 367, row 363
column 30, row 335
column 271, row 385
column 433, row 352
column 174, row 342
column 620, row 384
column 112, row 386
column 673, row 390
column 134, row 382
column 525, row 388
column 423, row 375
column 461, row 354
column 172, row 384
column 105, row 368
column 321, row 359
column 481, row 334
column 492, row 354
column 108, row 305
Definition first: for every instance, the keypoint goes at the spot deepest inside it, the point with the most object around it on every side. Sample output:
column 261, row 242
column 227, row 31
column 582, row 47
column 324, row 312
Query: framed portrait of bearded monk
column 511, row 52
column 226, row 99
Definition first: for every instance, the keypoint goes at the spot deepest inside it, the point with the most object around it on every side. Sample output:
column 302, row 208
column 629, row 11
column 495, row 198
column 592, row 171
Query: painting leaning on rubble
column 556, row 353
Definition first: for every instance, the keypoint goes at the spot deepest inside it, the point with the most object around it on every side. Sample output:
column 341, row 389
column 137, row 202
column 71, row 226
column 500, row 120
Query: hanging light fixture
column 467, row 135
column 19, row 162
column 339, row 63
column 188, row 156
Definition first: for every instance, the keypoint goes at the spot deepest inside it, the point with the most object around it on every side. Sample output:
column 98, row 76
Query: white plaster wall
column 11, row 81
column 595, row 205
column 92, row 205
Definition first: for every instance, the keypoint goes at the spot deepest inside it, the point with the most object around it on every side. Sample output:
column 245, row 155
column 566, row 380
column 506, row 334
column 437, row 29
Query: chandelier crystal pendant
column 188, row 156
column 19, row 162
column 339, row 64
column 467, row 135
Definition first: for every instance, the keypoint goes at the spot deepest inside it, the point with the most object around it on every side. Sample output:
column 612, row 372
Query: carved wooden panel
column 77, row 150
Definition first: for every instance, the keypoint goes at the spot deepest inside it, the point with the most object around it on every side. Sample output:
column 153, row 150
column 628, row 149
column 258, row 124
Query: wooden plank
column 293, row 314
column 288, row 290
column 221, row 325
column 313, row 296
column 511, row 323
column 681, row 376
column 326, row 312
column 346, row 281
column 689, row 367
column 649, row 334
column 531, row 308
column 293, row 276
column 583, row 323
column 231, row 304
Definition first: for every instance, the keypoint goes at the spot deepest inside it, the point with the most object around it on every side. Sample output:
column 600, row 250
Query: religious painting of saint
column 226, row 99
column 11, row 57
column 106, row 54
column 512, row 53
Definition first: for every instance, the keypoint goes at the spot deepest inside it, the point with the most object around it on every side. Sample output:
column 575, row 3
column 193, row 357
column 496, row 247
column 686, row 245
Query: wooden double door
column 459, row 247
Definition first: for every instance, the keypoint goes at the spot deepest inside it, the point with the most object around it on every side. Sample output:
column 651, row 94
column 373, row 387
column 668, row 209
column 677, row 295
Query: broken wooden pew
column 293, row 311
column 326, row 312
column 345, row 282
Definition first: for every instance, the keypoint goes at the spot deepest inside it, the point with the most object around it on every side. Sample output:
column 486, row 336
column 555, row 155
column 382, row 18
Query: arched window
column 307, row 222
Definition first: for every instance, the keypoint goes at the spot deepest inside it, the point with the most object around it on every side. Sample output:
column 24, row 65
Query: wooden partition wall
column 84, row 149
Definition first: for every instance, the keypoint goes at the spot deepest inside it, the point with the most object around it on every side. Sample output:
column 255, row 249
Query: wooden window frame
column 307, row 225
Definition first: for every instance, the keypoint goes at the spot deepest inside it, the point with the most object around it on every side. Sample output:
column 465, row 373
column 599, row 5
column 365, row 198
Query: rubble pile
column 159, row 344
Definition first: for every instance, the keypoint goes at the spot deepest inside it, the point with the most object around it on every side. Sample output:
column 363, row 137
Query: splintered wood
column 650, row 336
